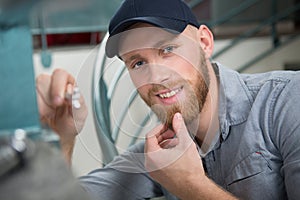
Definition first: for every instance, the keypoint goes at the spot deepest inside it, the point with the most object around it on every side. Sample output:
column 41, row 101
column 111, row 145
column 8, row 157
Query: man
column 223, row 135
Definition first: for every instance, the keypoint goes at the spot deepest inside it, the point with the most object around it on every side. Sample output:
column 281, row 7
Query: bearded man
column 223, row 135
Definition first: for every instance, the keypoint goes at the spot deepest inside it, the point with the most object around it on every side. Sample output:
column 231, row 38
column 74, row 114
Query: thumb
column 180, row 129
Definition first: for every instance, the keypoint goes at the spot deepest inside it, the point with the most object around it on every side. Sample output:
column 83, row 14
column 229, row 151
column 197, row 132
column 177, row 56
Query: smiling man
column 223, row 135
column 167, row 80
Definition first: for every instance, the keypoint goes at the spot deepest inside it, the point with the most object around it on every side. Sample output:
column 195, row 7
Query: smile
column 169, row 93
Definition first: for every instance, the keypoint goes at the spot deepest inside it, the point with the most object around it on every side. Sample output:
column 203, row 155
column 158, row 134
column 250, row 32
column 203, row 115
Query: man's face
column 169, row 71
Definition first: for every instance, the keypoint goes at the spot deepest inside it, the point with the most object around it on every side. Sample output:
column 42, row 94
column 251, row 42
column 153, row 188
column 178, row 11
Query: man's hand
column 172, row 159
column 56, row 111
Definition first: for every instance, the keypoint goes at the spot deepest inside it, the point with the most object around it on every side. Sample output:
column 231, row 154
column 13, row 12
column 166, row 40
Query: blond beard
column 191, row 107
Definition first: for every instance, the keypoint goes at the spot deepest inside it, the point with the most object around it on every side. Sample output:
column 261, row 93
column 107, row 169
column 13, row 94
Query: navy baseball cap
column 173, row 15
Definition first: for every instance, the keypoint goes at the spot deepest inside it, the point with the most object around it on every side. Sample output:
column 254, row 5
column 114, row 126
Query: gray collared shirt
column 257, row 155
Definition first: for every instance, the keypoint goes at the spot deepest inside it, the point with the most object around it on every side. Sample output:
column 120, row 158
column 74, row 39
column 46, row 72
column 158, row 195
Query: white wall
column 79, row 61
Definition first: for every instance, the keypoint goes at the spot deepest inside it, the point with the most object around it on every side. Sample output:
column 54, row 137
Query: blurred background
column 251, row 36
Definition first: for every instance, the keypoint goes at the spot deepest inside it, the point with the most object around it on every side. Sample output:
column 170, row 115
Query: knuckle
column 59, row 71
column 41, row 78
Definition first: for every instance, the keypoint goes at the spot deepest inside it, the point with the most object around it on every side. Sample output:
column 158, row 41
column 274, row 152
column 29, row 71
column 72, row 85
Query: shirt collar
column 234, row 99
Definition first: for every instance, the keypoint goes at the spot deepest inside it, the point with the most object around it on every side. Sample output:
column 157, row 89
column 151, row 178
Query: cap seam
column 183, row 20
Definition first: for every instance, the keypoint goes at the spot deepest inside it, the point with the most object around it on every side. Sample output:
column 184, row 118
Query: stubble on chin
column 190, row 107
column 165, row 114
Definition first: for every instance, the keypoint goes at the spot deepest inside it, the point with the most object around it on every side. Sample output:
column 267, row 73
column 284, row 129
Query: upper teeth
column 169, row 94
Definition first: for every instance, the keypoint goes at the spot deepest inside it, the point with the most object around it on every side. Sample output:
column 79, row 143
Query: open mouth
column 169, row 93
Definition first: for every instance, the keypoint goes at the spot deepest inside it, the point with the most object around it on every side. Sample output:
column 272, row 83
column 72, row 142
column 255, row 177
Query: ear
column 206, row 39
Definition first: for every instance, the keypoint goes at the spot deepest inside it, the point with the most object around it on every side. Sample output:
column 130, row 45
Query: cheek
column 144, row 91
column 190, row 54
column 186, row 70
column 137, row 79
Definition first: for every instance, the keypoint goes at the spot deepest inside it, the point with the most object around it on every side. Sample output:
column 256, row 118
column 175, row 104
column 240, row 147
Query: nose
column 155, row 70
column 158, row 73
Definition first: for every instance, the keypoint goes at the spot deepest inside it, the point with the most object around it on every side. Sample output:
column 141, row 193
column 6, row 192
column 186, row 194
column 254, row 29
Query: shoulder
column 277, row 91
column 272, row 78
column 287, row 101
column 271, row 84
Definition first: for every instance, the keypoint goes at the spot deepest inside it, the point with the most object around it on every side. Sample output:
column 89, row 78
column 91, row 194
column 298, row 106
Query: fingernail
column 178, row 116
column 69, row 88
column 57, row 100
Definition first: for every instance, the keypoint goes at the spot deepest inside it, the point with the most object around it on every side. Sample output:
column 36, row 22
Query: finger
column 42, row 86
column 180, row 128
column 151, row 143
column 169, row 143
column 69, row 89
column 69, row 94
column 59, row 81
column 168, row 134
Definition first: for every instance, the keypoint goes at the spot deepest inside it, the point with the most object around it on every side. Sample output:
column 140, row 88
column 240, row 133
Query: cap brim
column 171, row 25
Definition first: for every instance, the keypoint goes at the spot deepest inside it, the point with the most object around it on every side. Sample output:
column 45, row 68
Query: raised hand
column 57, row 111
column 172, row 157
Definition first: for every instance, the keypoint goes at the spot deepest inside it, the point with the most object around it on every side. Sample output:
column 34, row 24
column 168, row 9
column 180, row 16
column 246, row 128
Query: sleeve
column 286, row 123
column 123, row 178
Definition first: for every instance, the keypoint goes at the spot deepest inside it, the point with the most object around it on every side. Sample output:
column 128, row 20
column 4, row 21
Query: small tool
column 74, row 97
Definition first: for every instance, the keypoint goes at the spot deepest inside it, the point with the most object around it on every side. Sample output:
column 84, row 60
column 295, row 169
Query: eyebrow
column 133, row 57
column 155, row 46
column 162, row 42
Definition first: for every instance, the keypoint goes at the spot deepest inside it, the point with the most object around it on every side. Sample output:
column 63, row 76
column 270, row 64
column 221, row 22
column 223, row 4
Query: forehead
column 143, row 37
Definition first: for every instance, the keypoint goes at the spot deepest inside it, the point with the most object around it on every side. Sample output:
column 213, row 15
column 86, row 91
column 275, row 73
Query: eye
column 168, row 49
column 138, row 64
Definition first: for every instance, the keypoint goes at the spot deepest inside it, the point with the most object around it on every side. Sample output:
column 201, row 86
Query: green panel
column 18, row 104
column 67, row 16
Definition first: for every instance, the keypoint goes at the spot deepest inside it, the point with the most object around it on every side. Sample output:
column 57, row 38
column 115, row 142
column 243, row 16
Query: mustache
column 167, row 86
